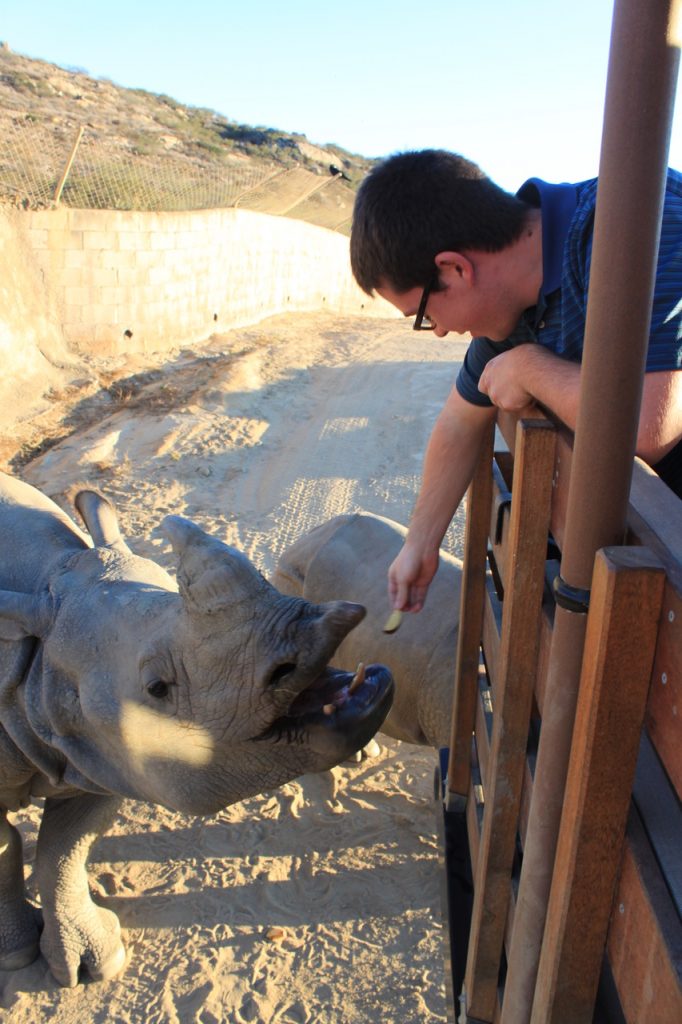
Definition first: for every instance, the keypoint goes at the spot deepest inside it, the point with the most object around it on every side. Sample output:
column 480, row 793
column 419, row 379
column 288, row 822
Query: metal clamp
column 503, row 501
column 572, row 599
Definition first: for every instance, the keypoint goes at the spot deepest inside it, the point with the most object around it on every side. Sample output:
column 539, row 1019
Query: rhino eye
column 280, row 672
column 159, row 689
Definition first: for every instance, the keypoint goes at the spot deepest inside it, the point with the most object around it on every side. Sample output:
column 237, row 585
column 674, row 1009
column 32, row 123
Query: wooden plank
column 652, row 925
column 483, row 730
column 664, row 710
column 654, row 514
column 500, row 515
column 512, row 698
column 526, row 792
column 474, row 815
column 563, row 457
column 644, row 943
column 508, row 422
column 546, row 627
column 655, row 518
column 470, row 623
column 661, row 814
column 659, row 527
column 491, row 632
column 627, row 588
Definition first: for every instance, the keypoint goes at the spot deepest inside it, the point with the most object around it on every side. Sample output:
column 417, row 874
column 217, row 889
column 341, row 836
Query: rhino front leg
column 76, row 932
column 19, row 921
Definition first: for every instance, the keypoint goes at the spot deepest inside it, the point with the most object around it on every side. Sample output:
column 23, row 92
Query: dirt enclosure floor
column 317, row 903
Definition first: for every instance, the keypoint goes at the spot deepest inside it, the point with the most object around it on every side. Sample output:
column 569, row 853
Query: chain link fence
column 42, row 166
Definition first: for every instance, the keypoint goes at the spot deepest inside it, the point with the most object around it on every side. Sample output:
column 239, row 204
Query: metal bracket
column 502, row 501
column 571, row 599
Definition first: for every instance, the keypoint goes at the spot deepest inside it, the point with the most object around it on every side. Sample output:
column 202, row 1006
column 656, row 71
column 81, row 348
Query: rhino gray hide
column 114, row 684
column 349, row 556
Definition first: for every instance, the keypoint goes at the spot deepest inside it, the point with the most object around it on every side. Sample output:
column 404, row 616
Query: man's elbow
column 660, row 417
column 653, row 445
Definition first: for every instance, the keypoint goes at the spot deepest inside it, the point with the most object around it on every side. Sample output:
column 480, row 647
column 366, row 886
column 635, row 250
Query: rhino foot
column 78, row 936
column 20, row 921
column 19, row 936
column 88, row 941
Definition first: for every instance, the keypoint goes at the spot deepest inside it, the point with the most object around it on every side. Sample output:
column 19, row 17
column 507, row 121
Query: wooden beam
column 512, row 698
column 470, row 625
column 620, row 640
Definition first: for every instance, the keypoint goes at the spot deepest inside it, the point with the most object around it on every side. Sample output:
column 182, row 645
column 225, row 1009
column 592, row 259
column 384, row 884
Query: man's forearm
column 449, row 463
column 531, row 373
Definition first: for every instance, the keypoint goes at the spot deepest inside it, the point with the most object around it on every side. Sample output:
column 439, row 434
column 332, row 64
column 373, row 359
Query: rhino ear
column 23, row 615
column 339, row 617
column 99, row 515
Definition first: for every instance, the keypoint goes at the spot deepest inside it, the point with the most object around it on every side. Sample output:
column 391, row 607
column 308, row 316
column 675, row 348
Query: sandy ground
column 319, row 902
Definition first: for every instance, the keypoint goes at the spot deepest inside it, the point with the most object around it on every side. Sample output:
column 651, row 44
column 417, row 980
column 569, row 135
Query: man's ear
column 455, row 268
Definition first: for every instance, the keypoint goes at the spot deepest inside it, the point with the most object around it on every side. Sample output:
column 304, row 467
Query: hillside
column 43, row 107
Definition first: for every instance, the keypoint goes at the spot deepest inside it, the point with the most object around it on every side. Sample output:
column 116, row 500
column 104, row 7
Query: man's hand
column 504, row 379
column 451, row 455
column 409, row 578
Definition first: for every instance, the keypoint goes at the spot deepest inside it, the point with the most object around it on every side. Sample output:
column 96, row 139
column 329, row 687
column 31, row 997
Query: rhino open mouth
column 339, row 711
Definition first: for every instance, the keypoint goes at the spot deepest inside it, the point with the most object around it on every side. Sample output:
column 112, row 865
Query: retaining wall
column 101, row 283
column 169, row 277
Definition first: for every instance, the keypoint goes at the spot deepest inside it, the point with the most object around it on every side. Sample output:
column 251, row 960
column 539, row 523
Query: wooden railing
column 612, row 935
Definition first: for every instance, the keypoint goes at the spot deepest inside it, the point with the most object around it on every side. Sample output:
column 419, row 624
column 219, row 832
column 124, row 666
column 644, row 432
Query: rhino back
column 348, row 558
column 36, row 536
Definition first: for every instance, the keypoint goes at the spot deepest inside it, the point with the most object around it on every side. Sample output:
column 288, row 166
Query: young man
column 438, row 239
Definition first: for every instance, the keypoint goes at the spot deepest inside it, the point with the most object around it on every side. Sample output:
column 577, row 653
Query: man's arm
column 660, row 418
column 531, row 373
column 449, row 463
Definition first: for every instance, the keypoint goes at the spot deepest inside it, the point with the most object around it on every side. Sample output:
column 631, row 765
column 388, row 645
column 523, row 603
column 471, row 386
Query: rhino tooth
column 358, row 679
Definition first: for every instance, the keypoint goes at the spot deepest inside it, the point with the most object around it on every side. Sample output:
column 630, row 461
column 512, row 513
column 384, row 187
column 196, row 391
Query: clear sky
column 517, row 87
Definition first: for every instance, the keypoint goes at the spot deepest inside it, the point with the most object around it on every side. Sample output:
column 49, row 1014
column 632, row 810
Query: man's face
column 462, row 306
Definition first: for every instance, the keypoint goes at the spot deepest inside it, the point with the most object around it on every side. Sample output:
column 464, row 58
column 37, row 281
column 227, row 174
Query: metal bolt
column 621, row 908
column 671, row 616
column 664, row 678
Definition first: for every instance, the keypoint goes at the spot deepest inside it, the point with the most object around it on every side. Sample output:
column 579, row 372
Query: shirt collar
column 557, row 204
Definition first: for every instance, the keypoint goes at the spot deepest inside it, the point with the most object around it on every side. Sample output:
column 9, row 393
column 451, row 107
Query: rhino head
column 193, row 694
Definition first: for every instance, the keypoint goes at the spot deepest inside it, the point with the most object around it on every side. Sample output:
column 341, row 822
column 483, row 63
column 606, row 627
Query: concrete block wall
column 35, row 356
column 143, row 282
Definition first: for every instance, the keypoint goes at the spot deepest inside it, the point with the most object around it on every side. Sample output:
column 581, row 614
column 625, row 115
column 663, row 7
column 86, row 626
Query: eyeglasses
column 422, row 322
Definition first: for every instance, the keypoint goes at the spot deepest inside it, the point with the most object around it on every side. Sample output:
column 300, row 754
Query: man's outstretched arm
column 449, row 464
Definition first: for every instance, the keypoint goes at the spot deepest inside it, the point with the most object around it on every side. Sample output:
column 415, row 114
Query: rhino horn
column 211, row 575
column 23, row 615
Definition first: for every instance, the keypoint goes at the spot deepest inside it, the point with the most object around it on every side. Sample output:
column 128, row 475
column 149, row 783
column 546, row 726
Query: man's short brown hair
column 414, row 205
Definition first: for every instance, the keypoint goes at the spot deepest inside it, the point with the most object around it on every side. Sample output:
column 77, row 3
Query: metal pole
column 640, row 95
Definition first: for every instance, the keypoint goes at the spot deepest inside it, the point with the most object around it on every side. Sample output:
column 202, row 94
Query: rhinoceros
column 349, row 556
column 116, row 681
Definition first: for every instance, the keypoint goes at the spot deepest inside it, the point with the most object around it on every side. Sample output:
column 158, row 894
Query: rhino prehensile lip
column 314, row 705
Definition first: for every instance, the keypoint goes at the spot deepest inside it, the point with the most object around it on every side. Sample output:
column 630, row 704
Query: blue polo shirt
column 558, row 319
